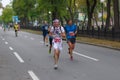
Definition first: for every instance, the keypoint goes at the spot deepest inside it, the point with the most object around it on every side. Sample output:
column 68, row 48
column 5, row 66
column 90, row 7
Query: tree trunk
column 116, row 19
column 55, row 11
column 90, row 10
column 96, row 20
column 108, row 14
column 71, row 12
column 116, row 16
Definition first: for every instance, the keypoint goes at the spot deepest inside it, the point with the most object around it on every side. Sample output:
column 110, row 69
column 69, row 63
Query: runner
column 16, row 29
column 50, row 40
column 45, row 32
column 71, row 31
column 4, row 27
column 57, row 32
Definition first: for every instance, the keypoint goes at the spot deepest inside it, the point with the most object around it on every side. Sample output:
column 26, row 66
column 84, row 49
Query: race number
column 57, row 40
column 71, row 33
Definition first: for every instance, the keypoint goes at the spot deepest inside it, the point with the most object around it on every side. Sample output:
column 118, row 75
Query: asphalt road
column 26, row 58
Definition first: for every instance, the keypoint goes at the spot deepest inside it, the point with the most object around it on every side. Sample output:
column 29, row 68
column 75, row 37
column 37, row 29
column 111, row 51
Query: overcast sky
column 4, row 2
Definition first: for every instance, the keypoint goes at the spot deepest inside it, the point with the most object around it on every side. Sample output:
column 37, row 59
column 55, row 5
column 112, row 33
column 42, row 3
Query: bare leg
column 71, row 48
column 46, row 40
column 56, row 56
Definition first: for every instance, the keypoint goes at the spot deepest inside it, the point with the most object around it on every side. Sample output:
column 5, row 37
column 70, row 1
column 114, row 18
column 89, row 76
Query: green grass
column 113, row 44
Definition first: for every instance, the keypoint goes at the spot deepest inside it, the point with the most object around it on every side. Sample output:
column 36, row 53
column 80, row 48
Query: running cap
column 56, row 20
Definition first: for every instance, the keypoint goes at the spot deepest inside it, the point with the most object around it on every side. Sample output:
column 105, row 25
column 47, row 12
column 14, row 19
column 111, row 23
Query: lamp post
column 49, row 17
column 102, row 1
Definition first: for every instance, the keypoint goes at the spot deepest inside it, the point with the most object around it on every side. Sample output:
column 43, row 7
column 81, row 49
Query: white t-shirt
column 57, row 38
column 57, row 31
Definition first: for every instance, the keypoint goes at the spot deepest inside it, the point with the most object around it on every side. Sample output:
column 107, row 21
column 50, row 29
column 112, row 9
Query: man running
column 50, row 40
column 57, row 32
column 71, row 31
column 45, row 32
column 16, row 27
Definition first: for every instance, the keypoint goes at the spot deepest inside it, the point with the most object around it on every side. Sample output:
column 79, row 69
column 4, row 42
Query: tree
column 1, row 6
column 7, row 14
column 108, row 13
column 57, row 7
column 22, row 8
column 116, row 15
column 91, row 4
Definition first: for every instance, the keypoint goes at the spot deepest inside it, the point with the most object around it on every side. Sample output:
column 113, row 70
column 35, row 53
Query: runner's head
column 16, row 23
column 69, row 22
column 45, row 22
column 56, row 23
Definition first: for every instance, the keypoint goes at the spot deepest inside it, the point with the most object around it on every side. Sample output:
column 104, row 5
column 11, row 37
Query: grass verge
column 108, row 43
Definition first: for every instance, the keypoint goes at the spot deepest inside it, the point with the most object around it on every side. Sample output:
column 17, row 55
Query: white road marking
column 11, row 48
column 25, row 36
column 0, row 27
column 85, row 56
column 33, row 76
column 32, row 38
column 6, row 42
column 20, row 35
column 3, row 39
column 42, row 42
column 18, row 57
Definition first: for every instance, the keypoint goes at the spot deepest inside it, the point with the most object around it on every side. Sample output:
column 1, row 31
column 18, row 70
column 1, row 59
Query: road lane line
column 6, row 42
column 25, row 36
column 94, row 59
column 41, row 42
column 18, row 57
column 32, row 38
column 33, row 76
column 11, row 48
column 3, row 39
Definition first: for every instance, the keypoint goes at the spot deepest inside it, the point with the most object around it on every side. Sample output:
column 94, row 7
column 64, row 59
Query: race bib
column 71, row 33
column 57, row 40
column 46, row 28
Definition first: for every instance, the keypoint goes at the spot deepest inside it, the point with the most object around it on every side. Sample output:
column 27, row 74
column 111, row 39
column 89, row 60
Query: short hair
column 69, row 20
column 56, row 20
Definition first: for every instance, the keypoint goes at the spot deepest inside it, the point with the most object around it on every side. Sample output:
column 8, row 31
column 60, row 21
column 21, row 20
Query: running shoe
column 55, row 67
column 71, row 58
column 49, row 51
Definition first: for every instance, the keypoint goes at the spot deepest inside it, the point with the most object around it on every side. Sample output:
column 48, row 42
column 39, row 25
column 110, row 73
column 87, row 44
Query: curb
column 105, row 46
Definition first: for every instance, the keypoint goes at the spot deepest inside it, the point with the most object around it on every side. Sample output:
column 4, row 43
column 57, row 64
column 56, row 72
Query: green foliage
column 23, row 7
column 7, row 14
column 57, row 7
column 62, row 9
column 1, row 6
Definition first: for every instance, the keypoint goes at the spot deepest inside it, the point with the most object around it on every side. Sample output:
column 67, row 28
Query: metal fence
column 102, row 33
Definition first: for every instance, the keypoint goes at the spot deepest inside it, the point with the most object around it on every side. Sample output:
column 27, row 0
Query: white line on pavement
column 18, row 57
column 11, row 48
column 33, row 76
column 6, row 42
column 3, row 39
column 32, row 38
column 85, row 56
column 41, row 42
column 25, row 36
